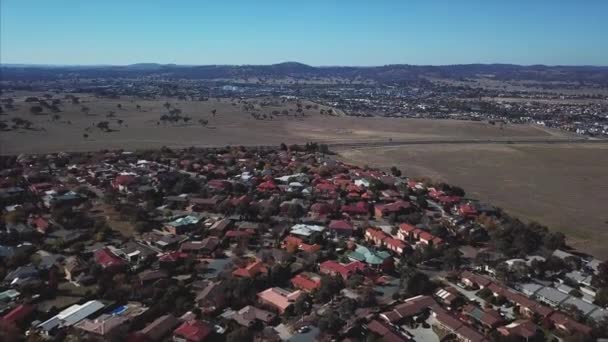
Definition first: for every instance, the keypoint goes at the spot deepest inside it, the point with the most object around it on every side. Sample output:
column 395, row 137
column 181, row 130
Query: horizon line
column 60, row 65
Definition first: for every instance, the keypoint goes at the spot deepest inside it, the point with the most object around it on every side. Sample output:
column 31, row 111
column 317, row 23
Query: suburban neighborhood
column 275, row 244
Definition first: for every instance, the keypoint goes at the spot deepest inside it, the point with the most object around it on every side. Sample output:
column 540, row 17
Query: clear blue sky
column 323, row 32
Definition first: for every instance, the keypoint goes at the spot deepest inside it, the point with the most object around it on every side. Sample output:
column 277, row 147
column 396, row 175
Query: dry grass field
column 133, row 128
column 564, row 186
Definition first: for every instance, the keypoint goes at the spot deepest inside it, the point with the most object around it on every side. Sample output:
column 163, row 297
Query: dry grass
column 231, row 126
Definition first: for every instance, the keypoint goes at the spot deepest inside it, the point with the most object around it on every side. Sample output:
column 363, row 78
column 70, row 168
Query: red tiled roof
column 18, row 314
column 386, row 332
column 407, row 228
column 572, row 326
column 393, row 207
column 303, row 282
column 124, row 180
column 105, row 258
column 268, row 185
column 250, row 270
column 193, row 331
column 340, row 225
column 477, row 279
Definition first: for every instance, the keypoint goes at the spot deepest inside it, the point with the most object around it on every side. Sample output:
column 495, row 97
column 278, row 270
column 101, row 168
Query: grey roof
column 551, row 296
column 530, row 288
column 585, row 307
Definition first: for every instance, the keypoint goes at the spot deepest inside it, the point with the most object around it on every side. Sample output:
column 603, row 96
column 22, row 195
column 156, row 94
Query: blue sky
column 323, row 32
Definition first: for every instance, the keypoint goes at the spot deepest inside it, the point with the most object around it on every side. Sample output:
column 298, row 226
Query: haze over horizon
column 318, row 33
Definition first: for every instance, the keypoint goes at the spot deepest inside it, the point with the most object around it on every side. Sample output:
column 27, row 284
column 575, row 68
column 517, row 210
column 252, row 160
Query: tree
column 554, row 240
column 35, row 110
column 417, row 283
column 368, row 297
column 601, row 297
column 330, row 286
column 347, row 307
column 241, row 334
column 104, row 125
column 330, row 322
column 451, row 258
column 395, row 171
column 213, row 111
column 601, row 278
column 355, row 280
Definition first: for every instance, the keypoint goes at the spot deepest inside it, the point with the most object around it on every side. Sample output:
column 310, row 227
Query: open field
column 564, row 186
column 232, row 125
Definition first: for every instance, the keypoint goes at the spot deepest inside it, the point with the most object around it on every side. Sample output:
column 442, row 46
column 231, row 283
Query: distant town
column 285, row 243
column 575, row 102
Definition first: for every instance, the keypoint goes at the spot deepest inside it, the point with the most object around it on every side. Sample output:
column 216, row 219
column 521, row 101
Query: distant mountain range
column 386, row 73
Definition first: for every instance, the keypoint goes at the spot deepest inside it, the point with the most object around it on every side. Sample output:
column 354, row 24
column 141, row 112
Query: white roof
column 72, row 315
column 306, row 229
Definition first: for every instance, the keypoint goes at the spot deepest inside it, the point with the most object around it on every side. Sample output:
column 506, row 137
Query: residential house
column 279, row 298
column 192, row 331
column 254, row 268
column 568, row 326
column 211, row 298
column 396, row 208
column 182, row 225
column 341, row 228
column 306, row 282
column 250, row 315
column 487, row 319
column 473, row 280
column 70, row 316
column 108, row 260
column 334, row 268
column 385, row 332
column 522, row 328
column 159, row 328
column 411, row 307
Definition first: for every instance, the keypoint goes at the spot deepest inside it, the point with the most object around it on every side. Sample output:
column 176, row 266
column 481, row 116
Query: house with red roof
column 321, row 209
column 123, row 182
column 334, row 268
column 306, row 282
column 267, row 186
column 341, row 227
column 406, row 231
column 108, row 260
column 395, row 245
column 467, row 210
column 359, row 209
column 41, row 224
column 382, row 239
column 19, row 314
column 428, row 238
column 192, row 331
column 398, row 208
column 568, row 326
column 292, row 242
column 251, row 270
column 473, row 280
